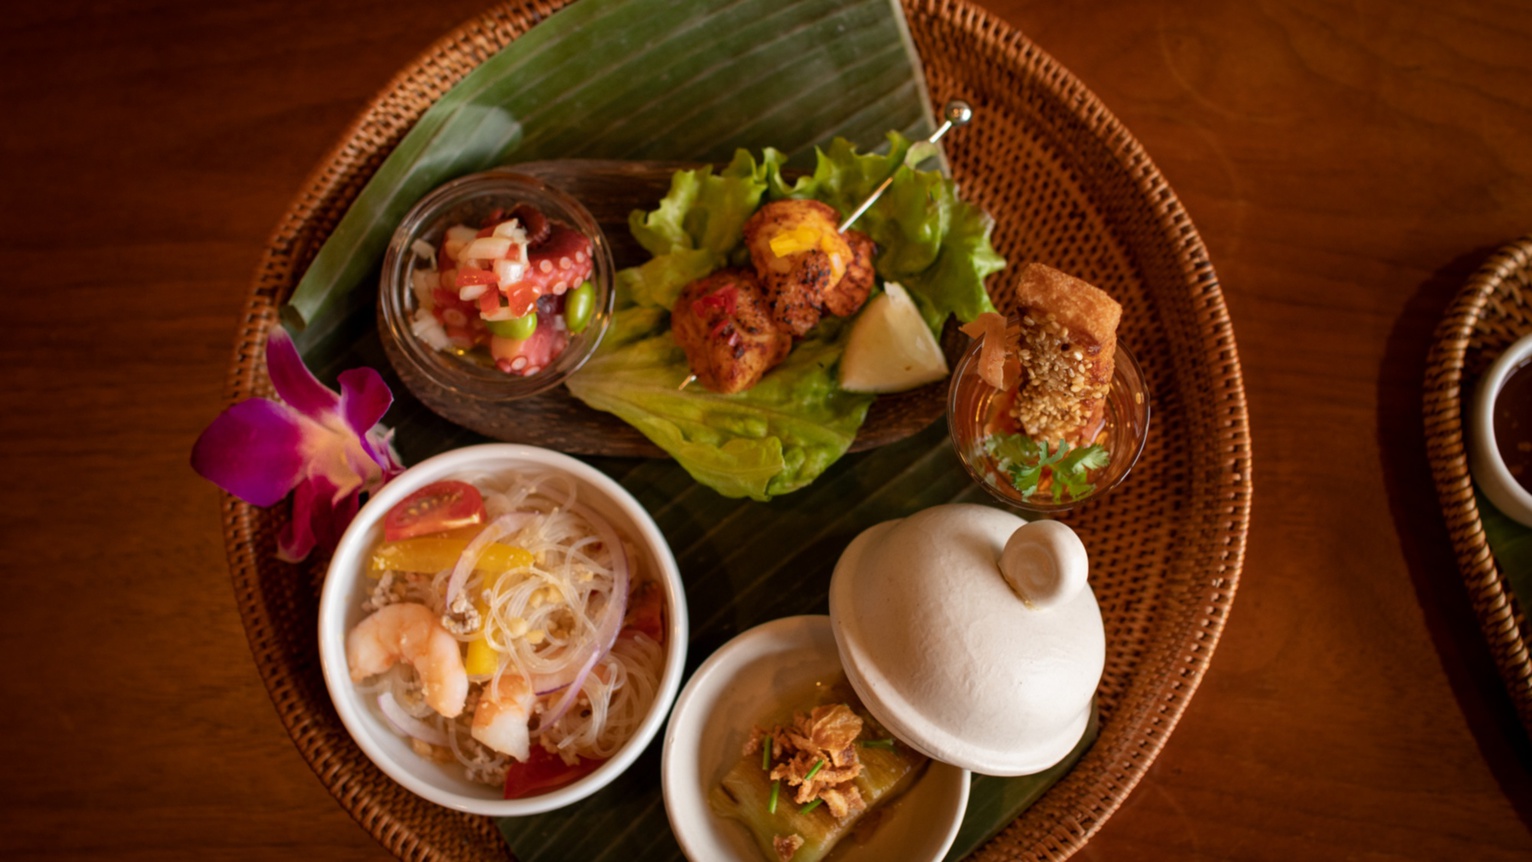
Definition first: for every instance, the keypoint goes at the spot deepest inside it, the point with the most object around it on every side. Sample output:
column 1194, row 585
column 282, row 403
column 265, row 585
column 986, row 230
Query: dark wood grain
column 611, row 190
column 1347, row 164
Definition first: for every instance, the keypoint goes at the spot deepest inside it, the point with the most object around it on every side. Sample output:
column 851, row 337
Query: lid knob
column 1045, row 564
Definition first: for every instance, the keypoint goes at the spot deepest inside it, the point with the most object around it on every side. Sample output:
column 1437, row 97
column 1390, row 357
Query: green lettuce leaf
column 698, row 223
column 786, row 430
column 775, row 438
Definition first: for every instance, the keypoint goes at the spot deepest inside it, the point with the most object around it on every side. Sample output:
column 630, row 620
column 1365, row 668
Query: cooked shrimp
column 798, row 254
column 410, row 632
column 501, row 720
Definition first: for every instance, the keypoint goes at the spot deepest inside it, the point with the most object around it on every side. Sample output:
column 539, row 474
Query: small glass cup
column 971, row 407
column 469, row 200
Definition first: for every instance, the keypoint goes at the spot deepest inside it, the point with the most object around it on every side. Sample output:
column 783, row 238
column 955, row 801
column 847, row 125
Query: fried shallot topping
column 786, row 845
column 817, row 755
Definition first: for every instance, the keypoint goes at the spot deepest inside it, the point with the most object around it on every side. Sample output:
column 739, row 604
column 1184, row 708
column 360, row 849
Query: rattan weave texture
column 1490, row 312
column 1069, row 186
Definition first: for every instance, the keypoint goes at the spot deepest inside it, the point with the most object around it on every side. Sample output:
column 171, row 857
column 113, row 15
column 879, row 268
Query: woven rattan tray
column 1068, row 185
column 1490, row 312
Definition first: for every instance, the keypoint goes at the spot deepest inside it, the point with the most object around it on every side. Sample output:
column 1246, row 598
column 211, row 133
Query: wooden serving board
column 555, row 419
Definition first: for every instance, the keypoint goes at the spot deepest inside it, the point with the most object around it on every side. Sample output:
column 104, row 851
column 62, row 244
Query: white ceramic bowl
column 1484, row 460
column 745, row 679
column 346, row 586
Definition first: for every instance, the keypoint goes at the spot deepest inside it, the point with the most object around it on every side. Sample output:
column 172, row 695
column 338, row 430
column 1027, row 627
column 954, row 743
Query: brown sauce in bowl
column 1513, row 423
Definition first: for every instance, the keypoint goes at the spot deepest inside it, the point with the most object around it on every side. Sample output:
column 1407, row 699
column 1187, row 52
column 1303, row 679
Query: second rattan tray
column 1490, row 312
column 1068, row 186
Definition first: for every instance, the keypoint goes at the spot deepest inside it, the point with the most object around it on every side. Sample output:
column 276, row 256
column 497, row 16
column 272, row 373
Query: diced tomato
column 472, row 275
column 646, row 613
column 436, row 508
column 544, row 772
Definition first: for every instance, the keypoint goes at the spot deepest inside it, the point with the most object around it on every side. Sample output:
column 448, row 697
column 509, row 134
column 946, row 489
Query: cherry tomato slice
column 436, row 508
column 544, row 772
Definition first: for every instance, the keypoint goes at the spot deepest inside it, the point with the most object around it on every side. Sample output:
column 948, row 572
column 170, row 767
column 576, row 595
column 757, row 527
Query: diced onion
column 511, row 229
column 509, row 272
column 423, row 281
column 424, row 251
column 472, row 292
column 428, row 329
column 487, row 248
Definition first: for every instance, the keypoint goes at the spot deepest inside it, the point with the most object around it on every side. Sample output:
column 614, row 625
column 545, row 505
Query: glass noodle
column 553, row 622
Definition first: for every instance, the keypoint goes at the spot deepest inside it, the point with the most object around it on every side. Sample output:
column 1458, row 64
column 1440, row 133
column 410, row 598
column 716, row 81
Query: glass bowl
column 972, row 403
column 469, row 201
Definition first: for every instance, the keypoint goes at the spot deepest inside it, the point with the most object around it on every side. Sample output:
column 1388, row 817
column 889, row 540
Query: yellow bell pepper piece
column 481, row 659
column 434, row 553
column 796, row 239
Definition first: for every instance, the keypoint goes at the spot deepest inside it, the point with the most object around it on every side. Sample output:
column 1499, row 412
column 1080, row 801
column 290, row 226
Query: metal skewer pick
column 955, row 113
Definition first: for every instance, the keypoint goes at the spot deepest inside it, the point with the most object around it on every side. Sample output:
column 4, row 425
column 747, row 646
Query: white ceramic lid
column 972, row 635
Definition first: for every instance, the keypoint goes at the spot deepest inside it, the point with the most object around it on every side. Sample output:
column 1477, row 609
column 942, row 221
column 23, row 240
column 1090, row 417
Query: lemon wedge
column 891, row 349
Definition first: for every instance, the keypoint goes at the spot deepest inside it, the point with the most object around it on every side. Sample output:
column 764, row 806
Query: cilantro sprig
column 1029, row 463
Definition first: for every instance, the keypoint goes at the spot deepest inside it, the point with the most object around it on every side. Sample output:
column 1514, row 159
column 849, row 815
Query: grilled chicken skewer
column 807, row 264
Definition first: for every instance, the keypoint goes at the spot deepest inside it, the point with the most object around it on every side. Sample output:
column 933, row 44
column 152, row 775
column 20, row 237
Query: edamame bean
column 518, row 328
column 579, row 305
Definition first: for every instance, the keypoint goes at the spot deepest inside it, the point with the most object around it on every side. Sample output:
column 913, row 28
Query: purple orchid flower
column 327, row 449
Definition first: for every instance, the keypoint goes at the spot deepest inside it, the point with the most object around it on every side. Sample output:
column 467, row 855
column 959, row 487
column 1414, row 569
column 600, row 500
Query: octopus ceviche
column 510, row 291
column 510, row 630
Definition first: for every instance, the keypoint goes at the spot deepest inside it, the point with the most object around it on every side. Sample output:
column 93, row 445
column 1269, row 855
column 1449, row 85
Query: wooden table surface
column 1348, row 165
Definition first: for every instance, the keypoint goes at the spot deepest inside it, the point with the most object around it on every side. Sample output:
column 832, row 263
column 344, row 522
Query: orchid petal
column 364, row 398
column 316, row 521
column 298, row 535
column 295, row 384
column 254, row 450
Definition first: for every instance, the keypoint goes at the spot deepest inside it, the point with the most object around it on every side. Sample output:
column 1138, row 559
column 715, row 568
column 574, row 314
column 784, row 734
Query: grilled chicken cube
column 723, row 322
column 846, row 296
column 798, row 254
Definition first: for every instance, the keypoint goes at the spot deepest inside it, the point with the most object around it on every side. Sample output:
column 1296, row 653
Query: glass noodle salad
column 510, row 630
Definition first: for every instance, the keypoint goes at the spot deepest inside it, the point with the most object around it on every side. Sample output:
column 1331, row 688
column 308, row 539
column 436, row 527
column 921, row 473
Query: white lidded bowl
column 746, row 680
column 972, row 635
column 347, row 586
column 1484, row 460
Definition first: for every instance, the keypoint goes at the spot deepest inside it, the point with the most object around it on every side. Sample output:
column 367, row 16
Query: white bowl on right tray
column 1485, row 459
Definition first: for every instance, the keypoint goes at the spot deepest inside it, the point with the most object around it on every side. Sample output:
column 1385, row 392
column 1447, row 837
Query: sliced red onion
column 408, row 724
column 504, row 525
column 548, row 683
column 611, row 618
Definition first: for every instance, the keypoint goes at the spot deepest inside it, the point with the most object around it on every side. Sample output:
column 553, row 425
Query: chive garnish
column 877, row 743
column 817, row 765
column 766, row 754
column 810, row 807
column 776, row 786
